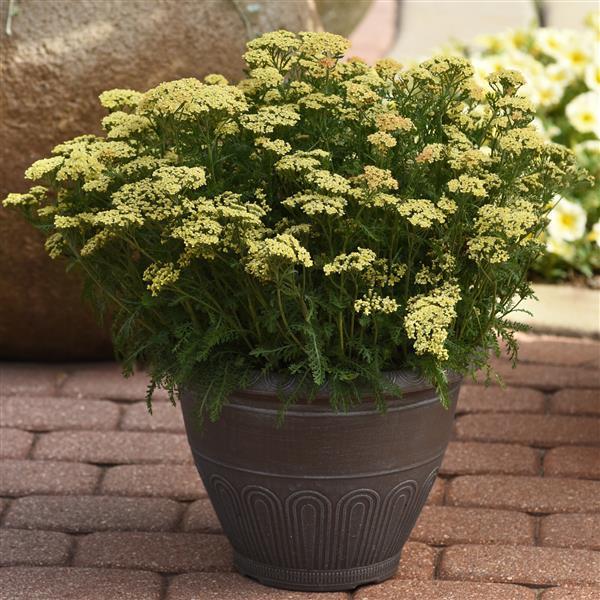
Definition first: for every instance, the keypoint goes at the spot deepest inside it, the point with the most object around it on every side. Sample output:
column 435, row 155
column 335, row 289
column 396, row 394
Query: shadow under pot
column 327, row 500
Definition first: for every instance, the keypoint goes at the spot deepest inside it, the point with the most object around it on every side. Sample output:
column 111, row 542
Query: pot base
column 335, row 580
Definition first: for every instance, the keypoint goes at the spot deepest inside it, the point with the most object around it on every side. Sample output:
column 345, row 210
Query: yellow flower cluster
column 279, row 147
column 120, row 99
column 267, row 256
column 159, row 276
column 312, row 203
column 268, row 117
column 428, row 319
column 377, row 179
column 354, row 262
column 374, row 303
column 421, row 212
column 190, row 97
column 382, row 141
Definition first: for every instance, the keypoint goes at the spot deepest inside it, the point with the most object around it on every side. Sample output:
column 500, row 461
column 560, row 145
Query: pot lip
column 267, row 385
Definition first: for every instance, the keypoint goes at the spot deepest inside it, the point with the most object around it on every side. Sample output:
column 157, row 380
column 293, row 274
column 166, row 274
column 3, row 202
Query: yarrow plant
column 562, row 72
column 322, row 219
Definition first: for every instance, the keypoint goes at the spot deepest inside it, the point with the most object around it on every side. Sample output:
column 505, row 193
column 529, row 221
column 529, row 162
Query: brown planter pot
column 326, row 501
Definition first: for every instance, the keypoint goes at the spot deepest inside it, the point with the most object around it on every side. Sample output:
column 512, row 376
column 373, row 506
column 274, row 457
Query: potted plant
column 312, row 259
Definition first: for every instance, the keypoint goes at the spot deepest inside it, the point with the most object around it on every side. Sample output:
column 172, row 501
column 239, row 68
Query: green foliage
column 321, row 219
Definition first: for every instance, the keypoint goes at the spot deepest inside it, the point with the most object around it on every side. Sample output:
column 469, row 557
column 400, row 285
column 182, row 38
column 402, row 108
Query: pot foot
column 308, row 580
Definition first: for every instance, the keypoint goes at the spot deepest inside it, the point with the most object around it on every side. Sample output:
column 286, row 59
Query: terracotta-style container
column 327, row 500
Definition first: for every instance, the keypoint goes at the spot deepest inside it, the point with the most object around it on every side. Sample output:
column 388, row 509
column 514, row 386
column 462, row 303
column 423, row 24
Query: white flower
column 546, row 92
column 594, row 234
column 583, row 113
column 592, row 76
column 567, row 220
column 552, row 42
column 589, row 147
column 577, row 56
column 561, row 248
column 559, row 73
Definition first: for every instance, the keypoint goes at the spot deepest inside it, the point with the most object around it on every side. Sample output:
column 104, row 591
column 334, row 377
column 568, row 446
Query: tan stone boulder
column 60, row 55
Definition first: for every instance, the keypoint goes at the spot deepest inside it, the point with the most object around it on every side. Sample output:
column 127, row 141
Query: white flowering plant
column 561, row 68
column 322, row 219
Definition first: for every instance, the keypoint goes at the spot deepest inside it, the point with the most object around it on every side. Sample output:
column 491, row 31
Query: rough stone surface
column 536, row 430
column 442, row 590
column 575, row 402
column 521, row 564
column 581, row 462
column 547, row 378
column 417, row 562
column 531, row 494
column 436, row 495
column 478, row 398
column 230, row 586
column 570, row 593
column 24, row 379
column 474, row 458
column 160, row 552
column 81, row 514
column 201, row 516
column 14, row 443
column 113, row 447
column 46, row 414
column 175, row 481
column 60, row 56
column 571, row 531
column 105, row 380
column 20, row 547
column 446, row 525
column 22, row 477
column 67, row 583
column 164, row 417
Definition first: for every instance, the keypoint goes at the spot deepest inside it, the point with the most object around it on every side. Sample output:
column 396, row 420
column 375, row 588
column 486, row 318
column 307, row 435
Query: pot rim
column 267, row 385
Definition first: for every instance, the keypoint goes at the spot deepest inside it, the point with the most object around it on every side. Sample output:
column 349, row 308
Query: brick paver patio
column 101, row 501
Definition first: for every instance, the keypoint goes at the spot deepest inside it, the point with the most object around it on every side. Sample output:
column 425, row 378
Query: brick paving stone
column 45, row 414
column 528, row 565
column 105, row 380
column 231, row 586
column 160, row 552
column 14, row 443
column 557, row 350
column 471, row 458
column 539, row 430
column 571, row 593
column 531, row 494
column 478, row 398
column 113, row 447
column 417, row 562
column 394, row 589
column 575, row 402
column 4, row 504
column 181, row 482
column 67, row 583
column 571, row 531
column 201, row 516
column 164, row 417
column 544, row 378
column 80, row 514
column 574, row 461
column 30, row 379
column 23, row 477
column 20, row 547
column 437, row 493
column 445, row 525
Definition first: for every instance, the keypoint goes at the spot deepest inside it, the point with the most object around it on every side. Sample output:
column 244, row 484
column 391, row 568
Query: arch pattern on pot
column 307, row 530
